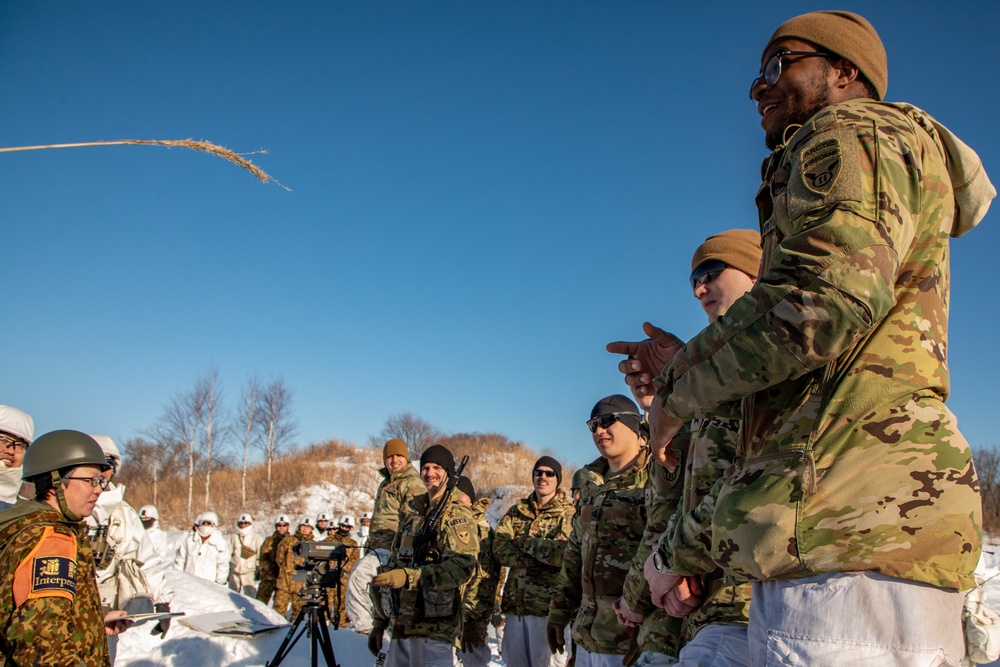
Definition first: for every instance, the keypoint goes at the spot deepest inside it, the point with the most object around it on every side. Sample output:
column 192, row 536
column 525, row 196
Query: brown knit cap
column 395, row 447
column 739, row 248
column 845, row 34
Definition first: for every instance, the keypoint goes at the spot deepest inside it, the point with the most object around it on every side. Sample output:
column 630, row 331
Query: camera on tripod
column 322, row 566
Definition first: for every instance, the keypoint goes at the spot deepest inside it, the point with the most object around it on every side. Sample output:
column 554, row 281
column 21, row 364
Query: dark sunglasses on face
column 604, row 421
column 206, row 523
column 544, row 473
column 772, row 68
column 707, row 272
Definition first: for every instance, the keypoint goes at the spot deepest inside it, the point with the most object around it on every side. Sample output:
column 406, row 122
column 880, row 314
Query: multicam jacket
column 849, row 459
column 353, row 552
column 607, row 531
column 687, row 541
column 531, row 541
column 50, row 608
column 481, row 593
column 659, row 632
column 287, row 560
column 269, row 557
column 396, row 490
column 430, row 605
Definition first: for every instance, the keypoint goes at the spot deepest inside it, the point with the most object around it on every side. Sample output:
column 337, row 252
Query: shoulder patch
column 458, row 521
column 49, row 569
column 826, row 170
column 821, row 165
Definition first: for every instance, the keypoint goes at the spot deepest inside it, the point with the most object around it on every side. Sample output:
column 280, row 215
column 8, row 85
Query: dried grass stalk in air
column 205, row 146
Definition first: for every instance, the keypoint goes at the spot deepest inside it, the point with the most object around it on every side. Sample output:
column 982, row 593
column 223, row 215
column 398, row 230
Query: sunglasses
column 94, row 481
column 206, row 523
column 604, row 421
column 772, row 68
column 543, row 473
column 242, row 523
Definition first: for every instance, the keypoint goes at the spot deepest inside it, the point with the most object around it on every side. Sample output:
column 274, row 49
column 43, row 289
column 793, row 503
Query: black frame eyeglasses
column 94, row 481
column 772, row 68
column 604, row 421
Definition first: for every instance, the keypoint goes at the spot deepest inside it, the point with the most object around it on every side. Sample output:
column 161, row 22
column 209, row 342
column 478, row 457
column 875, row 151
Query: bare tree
column 145, row 460
column 988, row 469
column 208, row 397
column 276, row 422
column 250, row 422
column 418, row 434
column 181, row 423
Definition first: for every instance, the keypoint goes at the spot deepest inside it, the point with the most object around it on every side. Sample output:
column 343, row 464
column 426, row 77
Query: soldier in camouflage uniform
column 427, row 623
column 530, row 540
column 582, row 478
column 267, row 562
column 481, row 592
column 50, row 607
column 607, row 530
column 723, row 269
column 287, row 589
column 400, row 484
column 848, row 462
column 336, row 597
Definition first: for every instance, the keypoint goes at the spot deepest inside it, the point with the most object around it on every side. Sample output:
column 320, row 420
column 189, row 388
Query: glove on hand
column 392, row 579
column 375, row 640
column 161, row 627
column 555, row 633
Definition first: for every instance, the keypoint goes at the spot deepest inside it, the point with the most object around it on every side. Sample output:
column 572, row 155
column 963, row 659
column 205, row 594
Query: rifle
column 428, row 534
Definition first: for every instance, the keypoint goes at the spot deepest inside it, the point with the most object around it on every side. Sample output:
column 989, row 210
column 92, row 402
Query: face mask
column 364, row 531
column 244, row 530
column 206, row 531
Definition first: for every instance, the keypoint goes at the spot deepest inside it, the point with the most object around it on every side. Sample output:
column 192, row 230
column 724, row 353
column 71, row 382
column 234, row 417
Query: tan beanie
column 845, row 34
column 738, row 248
column 395, row 447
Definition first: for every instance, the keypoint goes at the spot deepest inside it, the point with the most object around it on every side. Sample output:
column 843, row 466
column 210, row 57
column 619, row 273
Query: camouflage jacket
column 430, row 605
column 848, row 458
column 687, row 541
column 395, row 491
column 353, row 552
column 607, row 531
column 287, row 560
column 269, row 556
column 481, row 593
column 531, row 542
column 50, row 607
column 659, row 632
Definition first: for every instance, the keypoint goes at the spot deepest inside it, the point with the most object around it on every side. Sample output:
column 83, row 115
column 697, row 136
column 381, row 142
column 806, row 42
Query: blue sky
column 483, row 195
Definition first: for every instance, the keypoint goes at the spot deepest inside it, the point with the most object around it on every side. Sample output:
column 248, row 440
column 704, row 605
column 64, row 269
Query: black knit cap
column 440, row 455
column 628, row 413
column 550, row 462
column 465, row 486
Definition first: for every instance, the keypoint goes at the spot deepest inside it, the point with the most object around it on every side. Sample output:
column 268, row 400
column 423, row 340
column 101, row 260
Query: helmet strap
column 61, row 497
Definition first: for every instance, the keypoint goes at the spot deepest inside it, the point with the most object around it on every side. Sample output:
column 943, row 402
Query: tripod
column 314, row 610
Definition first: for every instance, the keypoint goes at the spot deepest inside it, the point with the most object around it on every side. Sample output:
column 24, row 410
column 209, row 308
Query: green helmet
column 62, row 449
column 585, row 476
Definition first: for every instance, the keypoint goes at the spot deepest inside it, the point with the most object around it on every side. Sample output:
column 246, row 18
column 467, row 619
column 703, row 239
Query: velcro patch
column 821, row 165
column 463, row 536
column 48, row 570
column 458, row 521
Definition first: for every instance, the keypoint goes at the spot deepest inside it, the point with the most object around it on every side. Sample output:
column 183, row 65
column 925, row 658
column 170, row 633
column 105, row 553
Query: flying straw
column 204, row 146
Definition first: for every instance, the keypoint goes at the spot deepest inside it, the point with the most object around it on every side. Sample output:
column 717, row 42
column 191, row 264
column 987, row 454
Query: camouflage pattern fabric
column 849, row 459
column 430, row 605
column 607, row 530
column 659, row 632
column 531, row 542
column 393, row 495
column 481, row 592
column 60, row 622
column 338, row 609
column 288, row 590
column 268, row 564
column 687, row 541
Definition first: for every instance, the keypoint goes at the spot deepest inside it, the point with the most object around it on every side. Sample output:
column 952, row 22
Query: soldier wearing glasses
column 16, row 431
column 50, row 607
column 530, row 540
column 606, row 533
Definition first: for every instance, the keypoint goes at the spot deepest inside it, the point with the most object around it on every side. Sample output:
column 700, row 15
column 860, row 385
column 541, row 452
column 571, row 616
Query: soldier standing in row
column 50, row 608
column 400, row 484
column 530, row 540
column 269, row 559
column 427, row 624
column 481, row 593
column 606, row 533
column 205, row 553
column 244, row 545
column 288, row 590
column 336, row 598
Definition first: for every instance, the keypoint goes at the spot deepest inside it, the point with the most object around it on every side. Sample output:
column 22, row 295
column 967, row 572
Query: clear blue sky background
column 483, row 195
